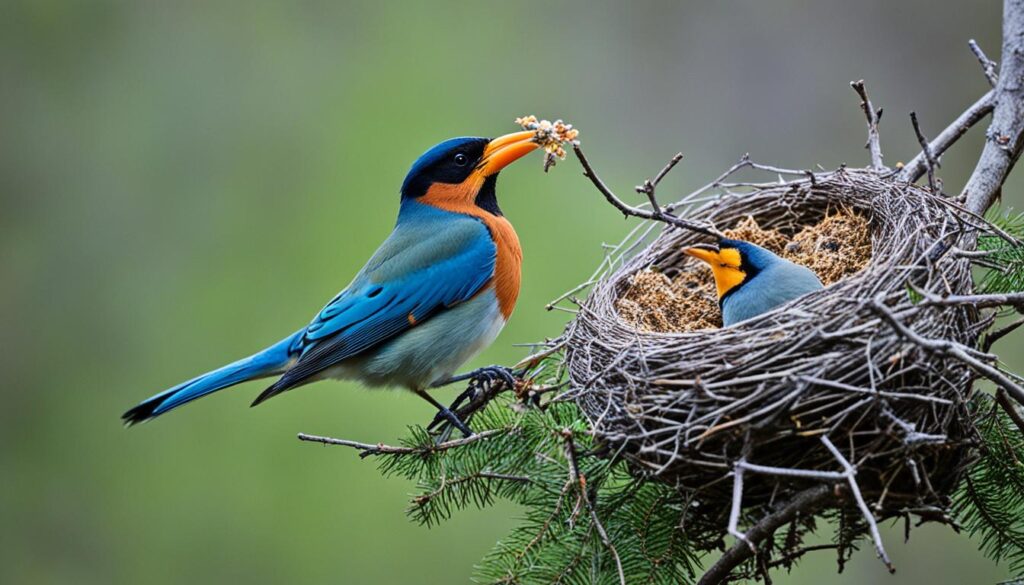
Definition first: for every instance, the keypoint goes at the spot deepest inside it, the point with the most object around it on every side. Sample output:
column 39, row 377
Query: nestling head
column 463, row 171
column 733, row 262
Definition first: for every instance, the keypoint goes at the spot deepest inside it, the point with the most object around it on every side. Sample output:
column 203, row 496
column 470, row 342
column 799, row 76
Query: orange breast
column 509, row 261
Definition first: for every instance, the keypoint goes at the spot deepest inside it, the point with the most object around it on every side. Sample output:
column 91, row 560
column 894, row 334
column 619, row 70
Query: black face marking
column 451, row 162
column 749, row 272
column 487, row 199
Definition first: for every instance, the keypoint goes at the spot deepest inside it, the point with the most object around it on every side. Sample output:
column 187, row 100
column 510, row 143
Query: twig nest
column 685, row 407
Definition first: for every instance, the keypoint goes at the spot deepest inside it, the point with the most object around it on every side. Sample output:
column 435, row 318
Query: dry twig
column 873, row 116
column 577, row 479
column 367, row 449
column 657, row 213
column 930, row 162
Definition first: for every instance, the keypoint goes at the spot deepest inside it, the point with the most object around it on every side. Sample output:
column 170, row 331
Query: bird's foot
column 468, row 393
column 479, row 392
column 446, row 414
column 453, row 419
column 485, row 375
column 482, row 388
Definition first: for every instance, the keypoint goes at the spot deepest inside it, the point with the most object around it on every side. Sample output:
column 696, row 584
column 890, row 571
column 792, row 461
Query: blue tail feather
column 270, row 361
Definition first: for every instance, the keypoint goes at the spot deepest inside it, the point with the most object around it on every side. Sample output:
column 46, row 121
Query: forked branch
column 657, row 212
column 806, row 502
column 1005, row 136
column 873, row 116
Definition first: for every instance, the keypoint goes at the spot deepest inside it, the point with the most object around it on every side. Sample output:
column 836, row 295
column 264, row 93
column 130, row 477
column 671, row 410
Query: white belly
column 431, row 351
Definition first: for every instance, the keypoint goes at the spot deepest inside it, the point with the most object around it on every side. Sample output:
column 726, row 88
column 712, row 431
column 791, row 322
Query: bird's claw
column 440, row 417
column 489, row 374
column 479, row 379
column 453, row 419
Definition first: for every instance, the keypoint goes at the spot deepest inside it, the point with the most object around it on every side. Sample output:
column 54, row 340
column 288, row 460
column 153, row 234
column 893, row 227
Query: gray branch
column 1005, row 135
column 806, row 502
column 918, row 165
column 873, row 116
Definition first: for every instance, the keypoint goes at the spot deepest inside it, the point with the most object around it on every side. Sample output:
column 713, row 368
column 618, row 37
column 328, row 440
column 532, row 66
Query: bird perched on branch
column 437, row 291
column 752, row 280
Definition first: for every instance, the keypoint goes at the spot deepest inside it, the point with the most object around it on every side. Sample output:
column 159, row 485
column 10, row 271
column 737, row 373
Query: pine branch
column 990, row 503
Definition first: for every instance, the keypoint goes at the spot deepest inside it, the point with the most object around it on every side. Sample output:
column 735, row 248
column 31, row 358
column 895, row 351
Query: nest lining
column 685, row 408
column 836, row 247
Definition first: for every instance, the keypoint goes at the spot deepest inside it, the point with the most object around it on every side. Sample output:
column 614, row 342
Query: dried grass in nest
column 691, row 409
column 836, row 247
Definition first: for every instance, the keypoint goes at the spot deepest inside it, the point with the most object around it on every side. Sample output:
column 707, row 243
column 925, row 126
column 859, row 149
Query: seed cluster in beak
column 551, row 136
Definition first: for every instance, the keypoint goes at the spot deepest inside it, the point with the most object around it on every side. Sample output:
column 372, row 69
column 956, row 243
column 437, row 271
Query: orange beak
column 504, row 150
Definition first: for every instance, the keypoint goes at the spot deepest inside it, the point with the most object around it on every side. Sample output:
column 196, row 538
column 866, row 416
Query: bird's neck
column 509, row 254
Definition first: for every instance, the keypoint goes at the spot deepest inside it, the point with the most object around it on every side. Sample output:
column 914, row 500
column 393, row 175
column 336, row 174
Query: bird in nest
column 752, row 280
column 437, row 291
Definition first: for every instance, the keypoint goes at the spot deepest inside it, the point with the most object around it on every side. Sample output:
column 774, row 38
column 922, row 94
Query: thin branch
column 987, row 65
column 851, row 480
column 992, row 337
column 805, row 502
column 581, row 483
column 649, row 186
column 1010, row 408
column 367, row 449
column 733, row 527
column 1005, row 136
column 1015, row 300
column 873, row 116
column 668, row 167
column 915, row 169
column 930, row 162
column 954, row 350
column 424, row 499
column 655, row 214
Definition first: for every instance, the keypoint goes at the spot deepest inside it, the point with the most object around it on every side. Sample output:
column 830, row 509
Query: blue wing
column 432, row 261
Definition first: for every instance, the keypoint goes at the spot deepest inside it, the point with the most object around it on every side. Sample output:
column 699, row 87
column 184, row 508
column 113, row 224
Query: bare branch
column 992, row 337
column 1005, row 136
column 987, row 65
column 954, row 350
column 656, row 213
column 581, row 483
column 873, row 116
column 851, row 480
column 649, row 186
column 806, row 502
column 1015, row 300
column 917, row 166
column 367, row 449
column 930, row 162
column 1010, row 408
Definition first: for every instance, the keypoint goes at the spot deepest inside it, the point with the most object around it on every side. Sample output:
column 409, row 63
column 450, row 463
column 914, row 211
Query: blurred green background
column 183, row 183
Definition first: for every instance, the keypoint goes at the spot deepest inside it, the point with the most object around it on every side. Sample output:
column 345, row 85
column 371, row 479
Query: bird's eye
column 461, row 159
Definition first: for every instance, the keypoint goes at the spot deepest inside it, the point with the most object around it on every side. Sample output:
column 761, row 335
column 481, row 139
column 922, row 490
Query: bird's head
column 733, row 262
column 463, row 171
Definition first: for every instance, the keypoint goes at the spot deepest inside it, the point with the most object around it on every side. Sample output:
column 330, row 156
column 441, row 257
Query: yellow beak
column 704, row 252
column 725, row 265
column 504, row 150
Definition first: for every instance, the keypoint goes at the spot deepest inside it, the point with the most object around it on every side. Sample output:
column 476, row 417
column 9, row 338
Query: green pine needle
column 990, row 503
column 1004, row 270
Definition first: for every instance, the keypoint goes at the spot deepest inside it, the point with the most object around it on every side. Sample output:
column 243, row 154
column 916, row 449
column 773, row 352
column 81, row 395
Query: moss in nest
column 836, row 247
column 749, row 231
column 656, row 304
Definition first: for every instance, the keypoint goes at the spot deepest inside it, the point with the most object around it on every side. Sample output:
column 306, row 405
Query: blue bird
column 437, row 291
column 752, row 280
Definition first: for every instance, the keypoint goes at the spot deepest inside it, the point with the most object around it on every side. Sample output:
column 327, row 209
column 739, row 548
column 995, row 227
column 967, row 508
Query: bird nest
column 858, row 384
